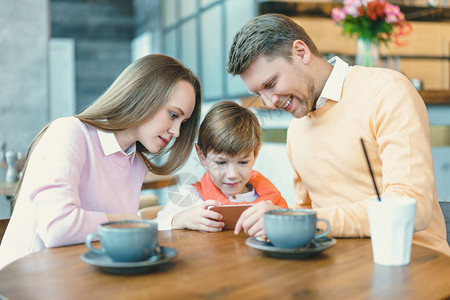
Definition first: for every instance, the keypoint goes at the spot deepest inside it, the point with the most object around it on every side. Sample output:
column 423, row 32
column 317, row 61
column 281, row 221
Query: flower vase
column 367, row 53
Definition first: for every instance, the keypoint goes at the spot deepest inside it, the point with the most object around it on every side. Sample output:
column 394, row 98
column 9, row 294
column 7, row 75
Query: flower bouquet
column 372, row 22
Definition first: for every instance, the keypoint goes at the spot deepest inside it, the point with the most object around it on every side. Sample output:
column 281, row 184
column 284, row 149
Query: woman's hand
column 251, row 220
column 199, row 218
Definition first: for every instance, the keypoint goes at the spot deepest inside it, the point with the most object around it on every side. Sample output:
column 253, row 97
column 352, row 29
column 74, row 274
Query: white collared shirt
column 110, row 145
column 333, row 87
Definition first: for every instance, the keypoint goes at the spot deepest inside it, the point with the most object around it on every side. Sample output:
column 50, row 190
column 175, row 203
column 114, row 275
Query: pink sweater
column 331, row 173
column 72, row 181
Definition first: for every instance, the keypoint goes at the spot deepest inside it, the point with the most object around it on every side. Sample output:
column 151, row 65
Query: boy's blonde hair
column 230, row 129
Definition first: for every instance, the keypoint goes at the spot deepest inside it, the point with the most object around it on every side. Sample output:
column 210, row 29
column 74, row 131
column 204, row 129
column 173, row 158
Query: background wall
column 24, row 106
column 102, row 31
column 24, row 35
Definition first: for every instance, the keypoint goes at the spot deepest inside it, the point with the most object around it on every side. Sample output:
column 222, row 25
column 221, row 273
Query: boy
column 228, row 144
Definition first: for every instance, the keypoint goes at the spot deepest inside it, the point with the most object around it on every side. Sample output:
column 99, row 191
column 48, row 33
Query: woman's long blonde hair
column 139, row 92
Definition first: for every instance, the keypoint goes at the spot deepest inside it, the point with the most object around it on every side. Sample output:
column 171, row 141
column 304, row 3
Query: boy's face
column 229, row 174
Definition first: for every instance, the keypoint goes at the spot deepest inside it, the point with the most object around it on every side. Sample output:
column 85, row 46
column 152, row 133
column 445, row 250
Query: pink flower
column 392, row 13
column 356, row 3
column 391, row 9
column 351, row 7
column 351, row 10
column 391, row 19
column 375, row 20
column 337, row 14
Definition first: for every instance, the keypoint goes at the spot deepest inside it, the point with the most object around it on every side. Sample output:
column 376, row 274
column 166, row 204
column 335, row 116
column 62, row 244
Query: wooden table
column 151, row 181
column 221, row 266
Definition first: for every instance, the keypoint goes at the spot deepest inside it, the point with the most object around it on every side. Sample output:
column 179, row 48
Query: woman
column 86, row 170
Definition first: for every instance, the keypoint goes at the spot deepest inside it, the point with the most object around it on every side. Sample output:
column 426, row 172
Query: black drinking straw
column 370, row 169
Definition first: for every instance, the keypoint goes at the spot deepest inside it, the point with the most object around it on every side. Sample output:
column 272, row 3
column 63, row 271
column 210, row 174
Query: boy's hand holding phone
column 230, row 213
column 199, row 218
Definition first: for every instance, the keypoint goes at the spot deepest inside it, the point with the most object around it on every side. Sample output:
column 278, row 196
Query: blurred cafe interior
column 57, row 56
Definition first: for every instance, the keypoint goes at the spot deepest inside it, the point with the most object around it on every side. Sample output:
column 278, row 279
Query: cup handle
column 321, row 232
column 90, row 237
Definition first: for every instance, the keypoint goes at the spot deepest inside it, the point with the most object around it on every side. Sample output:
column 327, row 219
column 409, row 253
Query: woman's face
column 157, row 132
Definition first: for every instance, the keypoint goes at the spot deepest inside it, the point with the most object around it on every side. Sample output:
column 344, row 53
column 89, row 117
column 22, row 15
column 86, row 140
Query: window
column 199, row 33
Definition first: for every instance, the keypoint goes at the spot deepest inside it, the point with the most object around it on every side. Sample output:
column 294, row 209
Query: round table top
column 221, row 266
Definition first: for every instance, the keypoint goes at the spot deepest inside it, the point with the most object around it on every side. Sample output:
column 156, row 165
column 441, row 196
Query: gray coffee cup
column 126, row 241
column 293, row 228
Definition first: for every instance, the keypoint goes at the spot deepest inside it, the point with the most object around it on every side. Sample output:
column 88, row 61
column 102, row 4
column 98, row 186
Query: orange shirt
column 263, row 187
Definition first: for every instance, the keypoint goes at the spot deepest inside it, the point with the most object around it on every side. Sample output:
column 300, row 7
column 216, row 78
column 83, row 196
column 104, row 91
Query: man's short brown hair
column 271, row 35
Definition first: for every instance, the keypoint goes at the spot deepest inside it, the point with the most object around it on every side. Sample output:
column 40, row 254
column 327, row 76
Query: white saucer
column 104, row 263
column 316, row 246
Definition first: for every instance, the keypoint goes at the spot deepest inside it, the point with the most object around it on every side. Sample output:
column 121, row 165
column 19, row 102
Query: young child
column 228, row 144
column 88, row 169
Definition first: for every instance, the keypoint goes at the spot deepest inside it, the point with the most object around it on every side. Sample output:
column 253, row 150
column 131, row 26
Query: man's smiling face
column 282, row 83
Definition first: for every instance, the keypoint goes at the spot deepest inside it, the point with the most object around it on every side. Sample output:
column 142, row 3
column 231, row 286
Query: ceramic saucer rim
column 169, row 254
column 258, row 244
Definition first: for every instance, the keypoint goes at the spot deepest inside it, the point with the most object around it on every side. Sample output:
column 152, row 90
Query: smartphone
column 230, row 213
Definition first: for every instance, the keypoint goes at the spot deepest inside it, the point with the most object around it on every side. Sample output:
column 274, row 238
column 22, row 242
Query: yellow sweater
column 331, row 174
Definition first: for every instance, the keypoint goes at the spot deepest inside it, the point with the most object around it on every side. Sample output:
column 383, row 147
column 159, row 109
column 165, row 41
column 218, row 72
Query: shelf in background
column 435, row 97
column 439, row 134
column 430, row 97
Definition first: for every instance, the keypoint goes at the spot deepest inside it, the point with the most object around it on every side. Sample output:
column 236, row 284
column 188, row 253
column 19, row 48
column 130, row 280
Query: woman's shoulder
column 68, row 125
column 66, row 130
column 67, row 122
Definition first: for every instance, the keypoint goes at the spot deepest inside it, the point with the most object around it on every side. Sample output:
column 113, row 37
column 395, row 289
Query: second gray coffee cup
column 292, row 228
column 126, row 241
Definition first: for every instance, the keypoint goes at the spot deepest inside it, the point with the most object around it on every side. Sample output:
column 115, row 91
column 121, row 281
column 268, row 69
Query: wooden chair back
column 3, row 225
column 150, row 212
column 445, row 206
column 148, row 200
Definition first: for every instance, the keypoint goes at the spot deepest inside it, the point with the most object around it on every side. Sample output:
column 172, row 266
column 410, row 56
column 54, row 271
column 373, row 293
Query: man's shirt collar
column 333, row 87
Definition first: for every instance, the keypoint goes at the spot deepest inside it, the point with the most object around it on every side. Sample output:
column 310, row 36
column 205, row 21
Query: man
column 335, row 105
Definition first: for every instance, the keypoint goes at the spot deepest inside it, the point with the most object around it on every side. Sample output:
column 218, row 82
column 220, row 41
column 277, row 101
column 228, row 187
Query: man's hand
column 199, row 218
column 252, row 220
